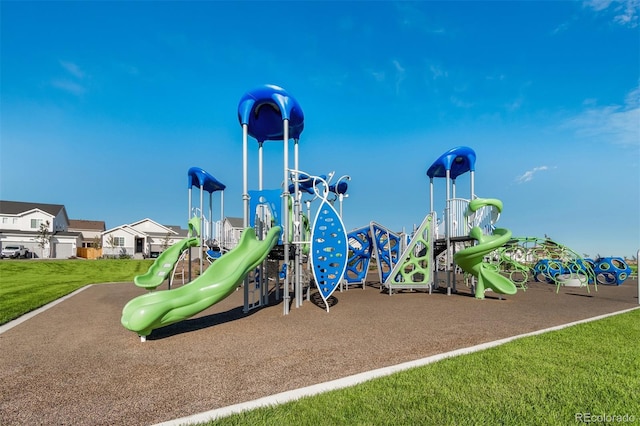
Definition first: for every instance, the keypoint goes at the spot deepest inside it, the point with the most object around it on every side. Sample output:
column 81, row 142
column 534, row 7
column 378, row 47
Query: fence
column 89, row 252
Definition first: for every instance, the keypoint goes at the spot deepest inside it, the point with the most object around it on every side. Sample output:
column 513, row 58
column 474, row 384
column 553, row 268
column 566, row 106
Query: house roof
column 236, row 222
column 93, row 225
column 17, row 207
column 146, row 219
column 178, row 230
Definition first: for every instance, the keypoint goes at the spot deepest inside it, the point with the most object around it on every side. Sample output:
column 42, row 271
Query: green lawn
column 550, row 379
column 26, row 285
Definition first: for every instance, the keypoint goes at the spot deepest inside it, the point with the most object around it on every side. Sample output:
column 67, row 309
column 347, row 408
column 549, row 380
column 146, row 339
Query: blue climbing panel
column 328, row 250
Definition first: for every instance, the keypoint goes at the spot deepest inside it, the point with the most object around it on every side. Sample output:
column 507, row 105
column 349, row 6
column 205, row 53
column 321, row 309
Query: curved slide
column 154, row 310
column 164, row 264
column 470, row 259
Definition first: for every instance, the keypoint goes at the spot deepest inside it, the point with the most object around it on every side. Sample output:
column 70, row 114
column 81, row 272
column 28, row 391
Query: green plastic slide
column 164, row 264
column 158, row 309
column 471, row 259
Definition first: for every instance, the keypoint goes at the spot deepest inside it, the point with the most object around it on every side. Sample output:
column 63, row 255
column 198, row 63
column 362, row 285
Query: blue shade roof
column 264, row 108
column 199, row 177
column 458, row 161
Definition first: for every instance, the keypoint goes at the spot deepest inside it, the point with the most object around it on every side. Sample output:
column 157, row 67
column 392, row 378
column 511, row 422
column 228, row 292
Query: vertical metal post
column 245, row 176
column 245, row 201
column 210, row 216
column 201, row 224
column 260, row 154
column 430, row 194
column 472, row 184
column 285, row 216
column 447, row 232
column 222, row 235
column 297, row 230
column 189, row 218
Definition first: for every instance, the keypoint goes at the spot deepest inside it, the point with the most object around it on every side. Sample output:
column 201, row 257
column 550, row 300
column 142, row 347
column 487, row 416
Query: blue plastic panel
column 263, row 110
column 458, row 161
column 328, row 250
column 199, row 177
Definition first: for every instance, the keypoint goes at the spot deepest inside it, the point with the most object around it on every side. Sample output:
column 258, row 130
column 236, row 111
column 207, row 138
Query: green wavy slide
column 158, row 309
column 471, row 259
column 164, row 264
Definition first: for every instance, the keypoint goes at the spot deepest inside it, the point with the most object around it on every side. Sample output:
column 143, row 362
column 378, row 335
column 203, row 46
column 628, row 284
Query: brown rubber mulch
column 74, row 364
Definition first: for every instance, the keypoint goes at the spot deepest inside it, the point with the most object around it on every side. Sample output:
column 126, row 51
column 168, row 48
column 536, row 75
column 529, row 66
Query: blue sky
column 106, row 105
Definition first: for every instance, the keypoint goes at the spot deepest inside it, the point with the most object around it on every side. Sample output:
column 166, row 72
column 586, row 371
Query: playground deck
column 75, row 364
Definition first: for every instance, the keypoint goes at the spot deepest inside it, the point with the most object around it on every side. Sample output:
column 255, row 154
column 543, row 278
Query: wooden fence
column 89, row 252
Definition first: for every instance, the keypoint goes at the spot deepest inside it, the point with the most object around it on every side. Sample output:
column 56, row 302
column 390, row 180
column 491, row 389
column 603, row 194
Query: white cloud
column 69, row 86
column 400, row 74
column 72, row 69
column 528, row 175
column 625, row 12
column 71, row 83
column 437, row 71
column 616, row 124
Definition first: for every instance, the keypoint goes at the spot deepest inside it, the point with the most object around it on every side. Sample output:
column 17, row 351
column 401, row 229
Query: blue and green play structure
column 160, row 308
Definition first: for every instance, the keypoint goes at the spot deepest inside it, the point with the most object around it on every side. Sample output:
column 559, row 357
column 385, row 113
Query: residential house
column 91, row 242
column 20, row 223
column 91, row 231
column 141, row 239
column 232, row 228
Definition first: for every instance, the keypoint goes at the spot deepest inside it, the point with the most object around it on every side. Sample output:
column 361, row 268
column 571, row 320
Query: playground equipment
column 205, row 182
column 412, row 261
column 269, row 113
column 328, row 244
column 167, row 260
column 605, row 270
column 471, row 259
column 157, row 309
column 611, row 270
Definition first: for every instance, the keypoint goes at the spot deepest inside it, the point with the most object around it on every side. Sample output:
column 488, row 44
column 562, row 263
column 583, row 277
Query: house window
column 118, row 241
column 35, row 223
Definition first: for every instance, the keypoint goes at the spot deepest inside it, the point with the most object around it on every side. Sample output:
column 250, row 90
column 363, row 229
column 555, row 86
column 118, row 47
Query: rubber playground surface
column 75, row 364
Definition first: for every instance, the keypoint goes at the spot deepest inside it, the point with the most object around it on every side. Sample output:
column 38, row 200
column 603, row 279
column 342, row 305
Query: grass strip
column 556, row 378
column 27, row 285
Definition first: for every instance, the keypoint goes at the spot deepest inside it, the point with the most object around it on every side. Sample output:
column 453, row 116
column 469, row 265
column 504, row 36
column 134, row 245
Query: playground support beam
column 285, row 216
column 245, row 175
column 447, row 231
column 245, row 201
column 296, row 228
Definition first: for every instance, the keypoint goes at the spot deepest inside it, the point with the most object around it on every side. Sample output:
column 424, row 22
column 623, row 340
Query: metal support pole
column 285, row 216
column 201, row 224
column 260, row 154
column 447, row 232
column 189, row 218
column 472, row 184
column 296, row 229
column 222, row 236
column 245, row 201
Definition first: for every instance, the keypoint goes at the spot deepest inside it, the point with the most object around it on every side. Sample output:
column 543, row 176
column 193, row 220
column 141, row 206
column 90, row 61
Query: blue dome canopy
column 263, row 109
column 457, row 160
column 199, row 177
